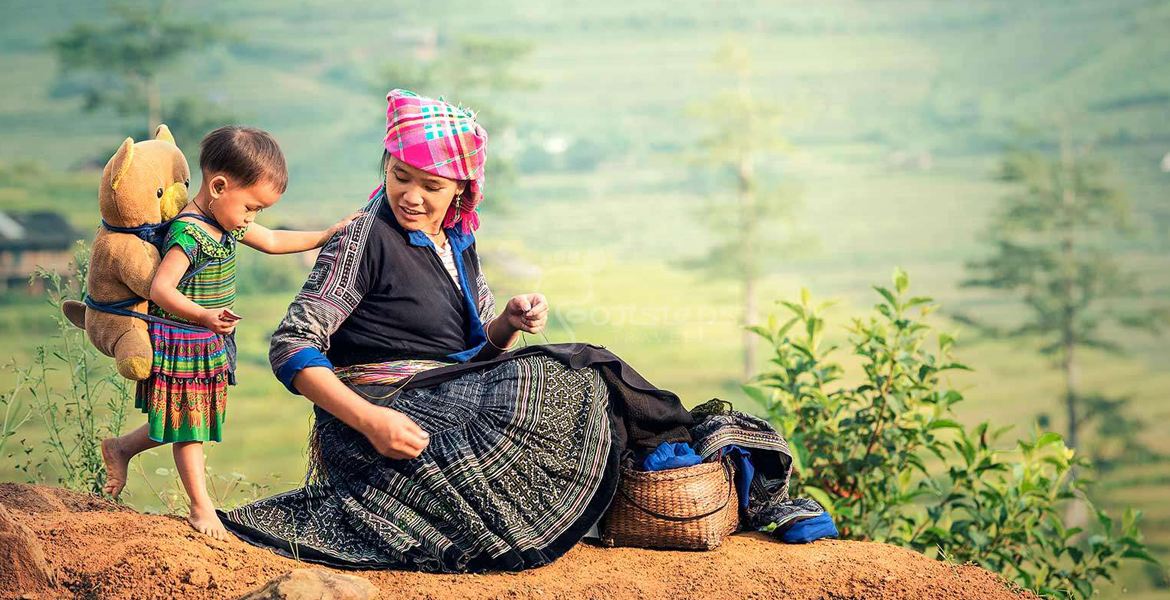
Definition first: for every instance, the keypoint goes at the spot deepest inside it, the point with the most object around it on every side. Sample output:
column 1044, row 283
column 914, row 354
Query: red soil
column 98, row 549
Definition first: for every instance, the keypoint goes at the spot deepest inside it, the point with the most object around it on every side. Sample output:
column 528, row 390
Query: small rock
column 314, row 584
column 197, row 578
column 24, row 562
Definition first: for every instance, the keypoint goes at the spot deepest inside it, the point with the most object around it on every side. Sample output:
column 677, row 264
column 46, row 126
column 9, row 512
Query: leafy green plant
column 80, row 399
column 227, row 491
column 77, row 394
column 890, row 461
column 15, row 414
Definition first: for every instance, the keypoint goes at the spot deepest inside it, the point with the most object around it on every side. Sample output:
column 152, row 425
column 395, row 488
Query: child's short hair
column 246, row 154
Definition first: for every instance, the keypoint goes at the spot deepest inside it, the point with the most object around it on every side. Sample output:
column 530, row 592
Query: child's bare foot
column 205, row 521
column 117, row 463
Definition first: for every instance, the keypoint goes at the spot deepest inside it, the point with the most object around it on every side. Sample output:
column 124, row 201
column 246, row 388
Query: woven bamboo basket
column 690, row 508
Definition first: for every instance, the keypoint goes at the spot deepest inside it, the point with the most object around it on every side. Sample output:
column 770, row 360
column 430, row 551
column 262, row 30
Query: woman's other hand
column 393, row 434
column 527, row 312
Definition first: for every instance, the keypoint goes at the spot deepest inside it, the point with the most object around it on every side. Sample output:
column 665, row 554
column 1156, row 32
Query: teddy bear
column 143, row 186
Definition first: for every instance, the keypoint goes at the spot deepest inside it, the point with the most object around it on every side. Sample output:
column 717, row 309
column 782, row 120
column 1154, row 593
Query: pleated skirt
column 520, row 464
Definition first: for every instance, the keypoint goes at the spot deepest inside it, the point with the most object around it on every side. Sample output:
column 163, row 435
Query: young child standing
column 185, row 397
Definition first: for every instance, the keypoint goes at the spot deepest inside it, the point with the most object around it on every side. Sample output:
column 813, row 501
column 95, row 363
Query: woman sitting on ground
column 433, row 449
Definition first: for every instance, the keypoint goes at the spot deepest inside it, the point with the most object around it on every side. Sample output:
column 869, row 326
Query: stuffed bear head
column 145, row 182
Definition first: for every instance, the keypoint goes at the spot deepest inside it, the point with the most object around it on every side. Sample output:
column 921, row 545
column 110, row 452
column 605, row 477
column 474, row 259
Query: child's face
column 236, row 206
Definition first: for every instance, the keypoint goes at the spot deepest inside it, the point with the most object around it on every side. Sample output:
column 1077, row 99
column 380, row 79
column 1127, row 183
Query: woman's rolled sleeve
column 485, row 300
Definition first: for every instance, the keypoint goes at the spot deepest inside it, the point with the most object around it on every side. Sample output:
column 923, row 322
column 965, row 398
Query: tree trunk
column 1077, row 512
column 1069, row 368
column 749, row 338
column 1068, row 317
column 1068, row 342
column 748, row 259
column 153, row 104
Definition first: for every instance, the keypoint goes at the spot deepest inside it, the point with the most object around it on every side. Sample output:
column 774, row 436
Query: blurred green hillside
column 897, row 112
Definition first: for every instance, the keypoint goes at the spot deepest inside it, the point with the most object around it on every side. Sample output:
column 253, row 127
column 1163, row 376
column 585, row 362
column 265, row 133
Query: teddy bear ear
column 120, row 163
column 164, row 133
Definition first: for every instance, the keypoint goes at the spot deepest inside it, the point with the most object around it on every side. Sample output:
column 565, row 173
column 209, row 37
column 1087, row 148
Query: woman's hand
column 393, row 434
column 527, row 312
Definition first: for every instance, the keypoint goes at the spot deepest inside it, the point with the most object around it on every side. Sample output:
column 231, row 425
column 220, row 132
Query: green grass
column 856, row 85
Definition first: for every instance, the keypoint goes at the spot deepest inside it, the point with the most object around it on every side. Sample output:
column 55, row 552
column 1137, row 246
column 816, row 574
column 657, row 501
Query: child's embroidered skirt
column 185, row 397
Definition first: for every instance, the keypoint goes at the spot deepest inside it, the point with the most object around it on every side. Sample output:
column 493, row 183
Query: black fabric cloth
column 644, row 415
column 719, row 426
column 409, row 308
column 522, row 461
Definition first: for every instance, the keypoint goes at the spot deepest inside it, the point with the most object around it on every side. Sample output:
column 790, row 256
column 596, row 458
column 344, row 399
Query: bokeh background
column 652, row 168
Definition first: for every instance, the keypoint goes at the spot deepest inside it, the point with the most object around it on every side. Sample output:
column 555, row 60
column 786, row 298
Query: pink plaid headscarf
column 443, row 140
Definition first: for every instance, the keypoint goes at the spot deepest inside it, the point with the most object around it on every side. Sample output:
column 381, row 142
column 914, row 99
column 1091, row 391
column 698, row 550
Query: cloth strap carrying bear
column 154, row 234
column 143, row 186
column 151, row 233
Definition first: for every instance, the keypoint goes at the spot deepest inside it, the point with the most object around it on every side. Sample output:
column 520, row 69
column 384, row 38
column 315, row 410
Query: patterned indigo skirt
column 521, row 463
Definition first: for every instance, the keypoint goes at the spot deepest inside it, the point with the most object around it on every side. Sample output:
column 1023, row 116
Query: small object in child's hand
column 228, row 315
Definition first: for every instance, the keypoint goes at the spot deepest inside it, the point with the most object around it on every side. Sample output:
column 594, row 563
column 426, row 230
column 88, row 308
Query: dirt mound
column 101, row 550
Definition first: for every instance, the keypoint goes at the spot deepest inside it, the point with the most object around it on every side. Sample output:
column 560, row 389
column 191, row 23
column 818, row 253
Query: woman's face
column 418, row 199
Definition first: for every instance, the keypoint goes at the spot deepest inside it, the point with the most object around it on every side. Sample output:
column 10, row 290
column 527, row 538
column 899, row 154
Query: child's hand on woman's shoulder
column 342, row 223
column 327, row 234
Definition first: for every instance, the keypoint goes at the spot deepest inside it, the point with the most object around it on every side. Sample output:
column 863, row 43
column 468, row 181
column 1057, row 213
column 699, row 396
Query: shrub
column 15, row 414
column 80, row 398
column 227, row 491
column 76, row 393
column 890, row 461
